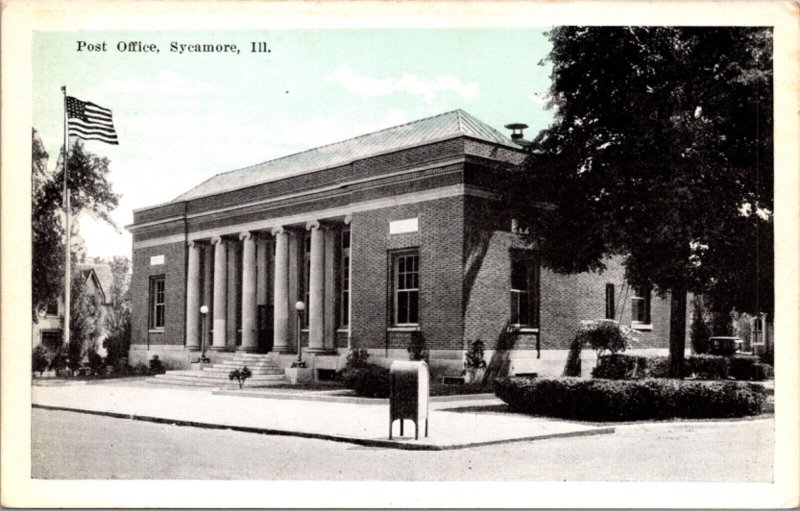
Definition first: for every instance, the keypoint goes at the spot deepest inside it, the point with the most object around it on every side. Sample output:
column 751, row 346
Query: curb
column 322, row 436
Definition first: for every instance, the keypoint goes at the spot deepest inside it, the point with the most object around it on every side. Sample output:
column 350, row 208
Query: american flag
column 90, row 122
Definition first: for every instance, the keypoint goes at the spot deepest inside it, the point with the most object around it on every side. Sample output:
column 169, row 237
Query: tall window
column 610, row 310
column 306, row 275
column 344, row 277
column 640, row 305
column 406, row 289
column 157, row 306
column 525, row 291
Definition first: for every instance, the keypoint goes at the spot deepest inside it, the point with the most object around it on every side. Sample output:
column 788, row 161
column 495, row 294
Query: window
column 640, row 305
column 610, row 309
column 157, row 306
column 51, row 309
column 525, row 291
column 406, row 289
column 344, row 281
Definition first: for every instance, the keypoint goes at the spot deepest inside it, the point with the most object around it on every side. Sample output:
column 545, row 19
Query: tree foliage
column 660, row 152
column 118, row 319
column 91, row 193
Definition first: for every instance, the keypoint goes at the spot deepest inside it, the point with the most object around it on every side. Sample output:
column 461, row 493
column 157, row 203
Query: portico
column 250, row 280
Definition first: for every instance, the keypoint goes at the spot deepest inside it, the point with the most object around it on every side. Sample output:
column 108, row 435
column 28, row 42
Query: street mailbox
column 409, row 388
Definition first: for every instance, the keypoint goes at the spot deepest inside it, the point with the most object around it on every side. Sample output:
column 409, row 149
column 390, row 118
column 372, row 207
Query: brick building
column 383, row 235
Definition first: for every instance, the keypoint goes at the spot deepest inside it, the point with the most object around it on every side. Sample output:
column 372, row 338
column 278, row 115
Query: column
column 232, row 294
column 329, row 335
column 193, row 298
column 261, row 288
column 348, row 221
column 208, row 293
column 282, row 342
column 249, row 308
column 316, row 305
column 220, row 288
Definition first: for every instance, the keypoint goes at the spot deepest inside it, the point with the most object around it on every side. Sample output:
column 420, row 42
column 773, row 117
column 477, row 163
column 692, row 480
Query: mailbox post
column 409, row 388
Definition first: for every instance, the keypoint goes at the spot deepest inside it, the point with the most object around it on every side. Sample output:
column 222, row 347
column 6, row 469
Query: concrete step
column 211, row 384
column 217, row 377
column 227, row 370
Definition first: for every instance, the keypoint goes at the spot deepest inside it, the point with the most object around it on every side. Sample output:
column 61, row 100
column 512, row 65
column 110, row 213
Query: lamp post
column 299, row 307
column 203, row 314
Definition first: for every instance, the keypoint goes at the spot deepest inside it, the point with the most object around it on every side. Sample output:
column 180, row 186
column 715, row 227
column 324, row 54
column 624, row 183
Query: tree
column 91, row 193
column 118, row 320
column 86, row 316
column 661, row 153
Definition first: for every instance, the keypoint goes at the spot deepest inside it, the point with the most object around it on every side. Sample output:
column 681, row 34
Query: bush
column 617, row 400
column 39, row 360
column 703, row 367
column 357, row 357
column 749, row 369
column 367, row 380
column 700, row 331
column 96, row 363
column 605, row 335
column 706, row 367
column 620, row 367
column 473, row 359
column 240, row 375
column 416, row 347
column 156, row 366
column 59, row 361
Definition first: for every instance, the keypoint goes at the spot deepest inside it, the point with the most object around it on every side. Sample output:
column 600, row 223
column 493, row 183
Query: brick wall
column 439, row 241
column 174, row 271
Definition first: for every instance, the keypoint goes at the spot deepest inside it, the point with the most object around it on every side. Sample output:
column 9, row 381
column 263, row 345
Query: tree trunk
column 677, row 331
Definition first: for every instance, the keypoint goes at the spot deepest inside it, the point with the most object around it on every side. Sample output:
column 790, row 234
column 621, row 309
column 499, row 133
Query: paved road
column 69, row 445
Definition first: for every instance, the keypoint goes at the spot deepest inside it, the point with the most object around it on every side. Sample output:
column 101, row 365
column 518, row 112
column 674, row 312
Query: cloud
column 411, row 84
column 166, row 82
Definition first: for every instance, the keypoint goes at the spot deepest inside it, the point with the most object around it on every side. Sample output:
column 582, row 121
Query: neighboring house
column 99, row 280
column 382, row 235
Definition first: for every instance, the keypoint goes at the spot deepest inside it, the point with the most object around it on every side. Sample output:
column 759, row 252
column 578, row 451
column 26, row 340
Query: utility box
column 409, row 390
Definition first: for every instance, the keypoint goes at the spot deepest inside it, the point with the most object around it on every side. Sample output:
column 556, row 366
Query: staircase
column 265, row 373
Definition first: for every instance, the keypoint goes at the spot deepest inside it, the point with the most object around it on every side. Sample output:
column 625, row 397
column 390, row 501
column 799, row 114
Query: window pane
column 519, row 275
column 402, row 307
column 413, row 306
column 514, row 307
column 524, row 309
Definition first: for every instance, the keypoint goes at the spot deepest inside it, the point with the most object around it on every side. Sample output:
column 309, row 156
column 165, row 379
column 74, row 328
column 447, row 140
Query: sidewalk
column 453, row 424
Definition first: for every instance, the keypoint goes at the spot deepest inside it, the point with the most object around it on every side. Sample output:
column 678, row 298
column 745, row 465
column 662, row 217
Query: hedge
column 366, row 380
column 620, row 400
column 703, row 367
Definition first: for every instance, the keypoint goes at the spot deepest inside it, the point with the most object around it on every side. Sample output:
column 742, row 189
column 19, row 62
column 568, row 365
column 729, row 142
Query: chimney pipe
column 516, row 132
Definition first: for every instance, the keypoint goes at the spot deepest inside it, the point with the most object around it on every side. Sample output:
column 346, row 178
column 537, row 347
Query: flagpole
column 67, row 258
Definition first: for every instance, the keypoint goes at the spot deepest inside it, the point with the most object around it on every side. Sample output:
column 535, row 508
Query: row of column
column 321, row 278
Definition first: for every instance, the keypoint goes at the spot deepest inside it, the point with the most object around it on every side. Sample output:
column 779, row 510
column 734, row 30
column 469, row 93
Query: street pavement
column 459, row 423
column 68, row 445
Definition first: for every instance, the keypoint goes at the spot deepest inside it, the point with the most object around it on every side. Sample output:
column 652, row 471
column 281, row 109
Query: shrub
column 605, row 335
column 620, row 367
column 416, row 347
column 473, row 359
column 749, row 368
column 156, row 366
column 700, row 331
column 616, row 400
column 59, row 361
column 240, row 375
column 357, row 357
column 573, row 365
column 39, row 359
column 706, row 367
column 367, row 380
column 95, row 362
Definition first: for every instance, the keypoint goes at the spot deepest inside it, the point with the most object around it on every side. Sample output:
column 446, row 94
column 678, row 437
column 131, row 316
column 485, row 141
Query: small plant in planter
column 240, row 375
column 474, row 364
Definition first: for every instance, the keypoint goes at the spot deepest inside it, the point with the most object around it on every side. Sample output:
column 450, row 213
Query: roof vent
column 516, row 132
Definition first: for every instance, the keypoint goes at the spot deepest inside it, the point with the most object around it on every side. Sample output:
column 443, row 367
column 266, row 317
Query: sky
column 181, row 118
